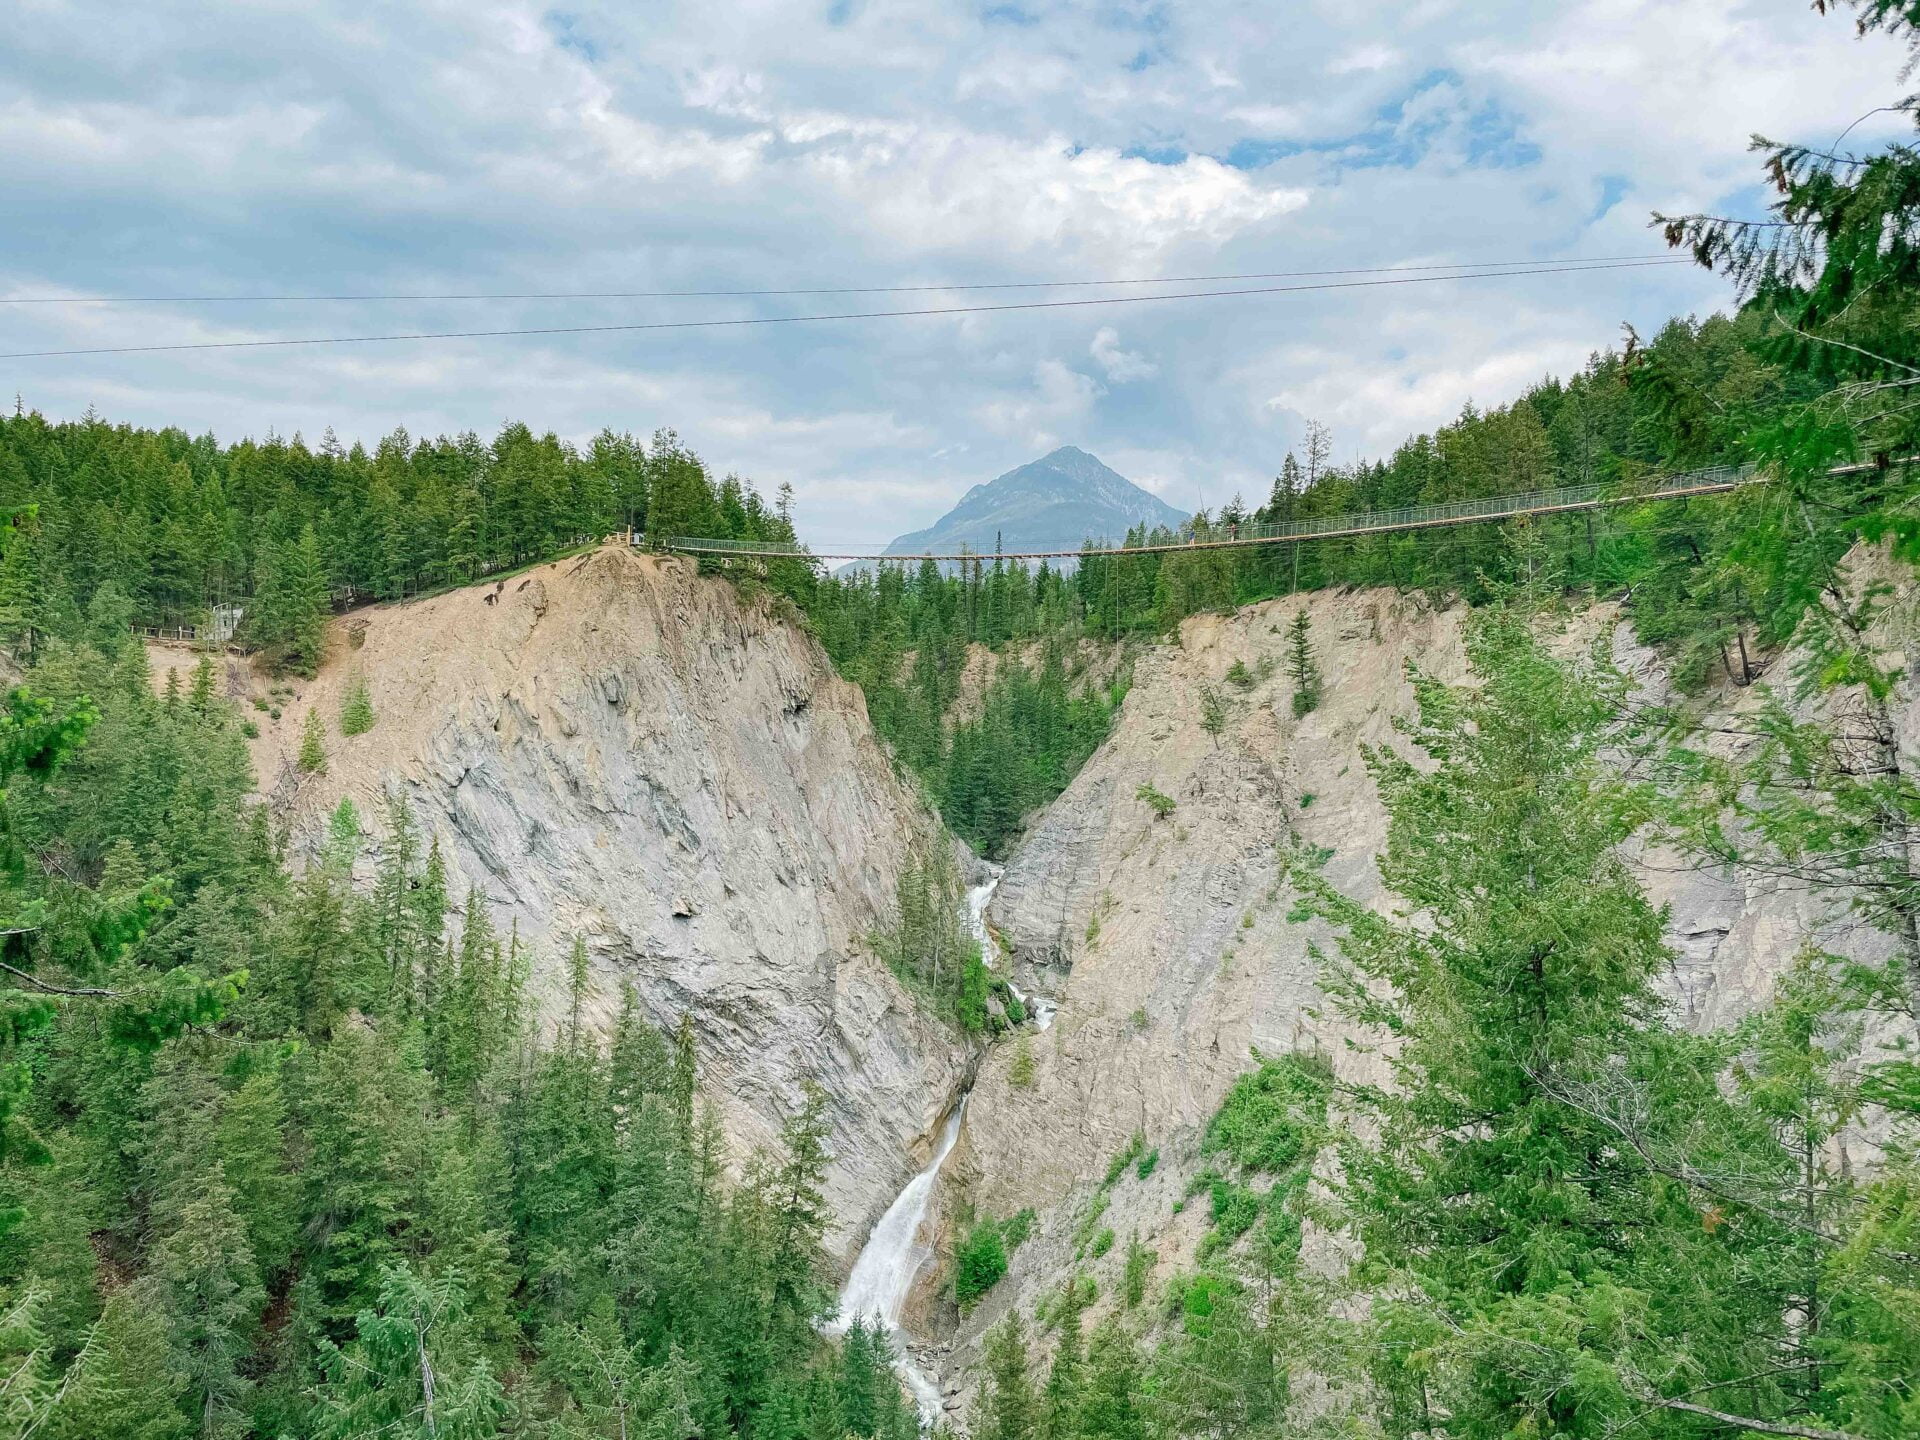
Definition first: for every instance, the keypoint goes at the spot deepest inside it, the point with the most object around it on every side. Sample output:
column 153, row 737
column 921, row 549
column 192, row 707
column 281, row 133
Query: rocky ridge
column 1166, row 942
column 615, row 747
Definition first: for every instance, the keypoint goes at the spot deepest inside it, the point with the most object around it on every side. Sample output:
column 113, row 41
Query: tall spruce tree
column 1500, row 1210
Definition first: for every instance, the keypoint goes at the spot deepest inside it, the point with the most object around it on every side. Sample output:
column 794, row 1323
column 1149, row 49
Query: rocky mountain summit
column 1052, row 503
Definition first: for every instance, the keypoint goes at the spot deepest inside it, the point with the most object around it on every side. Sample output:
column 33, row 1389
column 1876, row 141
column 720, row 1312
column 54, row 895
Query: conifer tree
column 250, row 1142
column 411, row 1371
column 202, row 696
column 23, row 596
column 31, row 1383
column 126, row 1382
column 641, row 1063
column 1006, row 1408
column 1519, row 976
column 800, row 1216
column 356, row 712
column 313, row 745
column 1060, row 1398
column 1302, row 668
column 213, row 1298
column 1110, row 1404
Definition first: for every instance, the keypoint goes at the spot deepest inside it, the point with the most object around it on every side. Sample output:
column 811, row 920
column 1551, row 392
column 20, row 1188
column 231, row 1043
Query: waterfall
column 891, row 1261
column 893, row 1257
column 978, row 899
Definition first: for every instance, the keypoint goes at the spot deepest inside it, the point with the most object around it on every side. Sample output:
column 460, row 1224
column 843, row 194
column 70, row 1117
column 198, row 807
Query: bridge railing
column 1409, row 517
column 1490, row 507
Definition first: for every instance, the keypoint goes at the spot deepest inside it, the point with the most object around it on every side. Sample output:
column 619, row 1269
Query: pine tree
column 23, row 586
column 411, row 1371
column 125, row 1383
column 799, row 1219
column 1519, row 977
column 251, row 1144
column 31, row 1383
column 213, row 1298
column 362, row 1109
column 1302, row 668
column 292, row 605
column 203, row 695
column 313, row 745
column 356, row 713
column 1060, row 1398
column 1006, row 1408
column 1110, row 1405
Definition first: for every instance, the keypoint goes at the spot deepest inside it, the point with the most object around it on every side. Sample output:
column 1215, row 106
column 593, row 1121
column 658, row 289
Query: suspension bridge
column 1714, row 481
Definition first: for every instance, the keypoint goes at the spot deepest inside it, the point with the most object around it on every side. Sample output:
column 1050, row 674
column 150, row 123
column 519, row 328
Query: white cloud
column 1039, row 416
column 1122, row 366
column 1365, row 58
column 500, row 146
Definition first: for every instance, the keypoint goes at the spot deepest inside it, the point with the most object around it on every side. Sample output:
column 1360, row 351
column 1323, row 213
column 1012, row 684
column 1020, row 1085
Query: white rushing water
column 891, row 1261
column 893, row 1257
column 978, row 898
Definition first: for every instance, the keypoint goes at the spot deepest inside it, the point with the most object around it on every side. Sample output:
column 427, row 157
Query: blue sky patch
column 569, row 34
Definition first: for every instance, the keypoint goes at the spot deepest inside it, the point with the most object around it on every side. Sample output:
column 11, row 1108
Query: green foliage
column 1016, row 1229
column 1140, row 1262
column 1213, row 713
column 1147, row 1163
column 1135, row 1148
column 1517, row 985
column 909, row 637
column 929, row 947
column 1161, row 804
column 1273, row 1115
column 410, row 1370
column 1020, row 1068
column 1090, row 1218
column 125, row 1382
column 1239, row 676
column 313, row 745
column 283, row 527
column 1035, row 729
column 979, row 1263
column 356, row 713
column 275, row 1209
column 1302, row 668
column 1102, row 1243
column 1006, row 1407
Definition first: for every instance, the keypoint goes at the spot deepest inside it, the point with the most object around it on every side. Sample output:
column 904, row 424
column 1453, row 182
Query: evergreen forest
column 285, row 1157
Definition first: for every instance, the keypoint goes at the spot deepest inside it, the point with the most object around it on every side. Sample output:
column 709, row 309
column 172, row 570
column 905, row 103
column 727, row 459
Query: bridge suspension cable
column 1714, row 481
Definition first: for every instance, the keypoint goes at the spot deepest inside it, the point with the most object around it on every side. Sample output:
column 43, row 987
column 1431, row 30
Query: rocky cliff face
column 615, row 748
column 1166, row 942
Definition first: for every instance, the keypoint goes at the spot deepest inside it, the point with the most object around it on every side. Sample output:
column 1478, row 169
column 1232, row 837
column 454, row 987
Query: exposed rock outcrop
column 617, row 748
column 1166, row 940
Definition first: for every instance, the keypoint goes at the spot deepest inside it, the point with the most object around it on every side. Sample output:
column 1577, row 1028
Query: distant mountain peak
column 1053, row 503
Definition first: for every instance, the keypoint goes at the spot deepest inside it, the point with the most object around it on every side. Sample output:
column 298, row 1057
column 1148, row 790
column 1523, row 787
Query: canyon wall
column 617, row 748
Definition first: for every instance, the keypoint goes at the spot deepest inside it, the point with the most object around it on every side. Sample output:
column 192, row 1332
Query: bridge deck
column 1331, row 527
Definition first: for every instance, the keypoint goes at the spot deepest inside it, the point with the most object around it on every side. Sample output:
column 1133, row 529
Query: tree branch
column 1762, row 1427
column 82, row 992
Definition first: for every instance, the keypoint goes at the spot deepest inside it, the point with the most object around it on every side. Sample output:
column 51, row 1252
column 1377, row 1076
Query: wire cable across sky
column 745, row 321
column 1522, row 267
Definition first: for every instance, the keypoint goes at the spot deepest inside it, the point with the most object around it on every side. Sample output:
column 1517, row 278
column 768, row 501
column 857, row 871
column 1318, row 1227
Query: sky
column 302, row 147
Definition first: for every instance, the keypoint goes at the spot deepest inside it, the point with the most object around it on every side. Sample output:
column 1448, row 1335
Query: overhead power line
column 739, row 322
column 381, row 298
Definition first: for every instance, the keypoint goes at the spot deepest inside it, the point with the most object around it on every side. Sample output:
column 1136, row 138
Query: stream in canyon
column 891, row 1261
